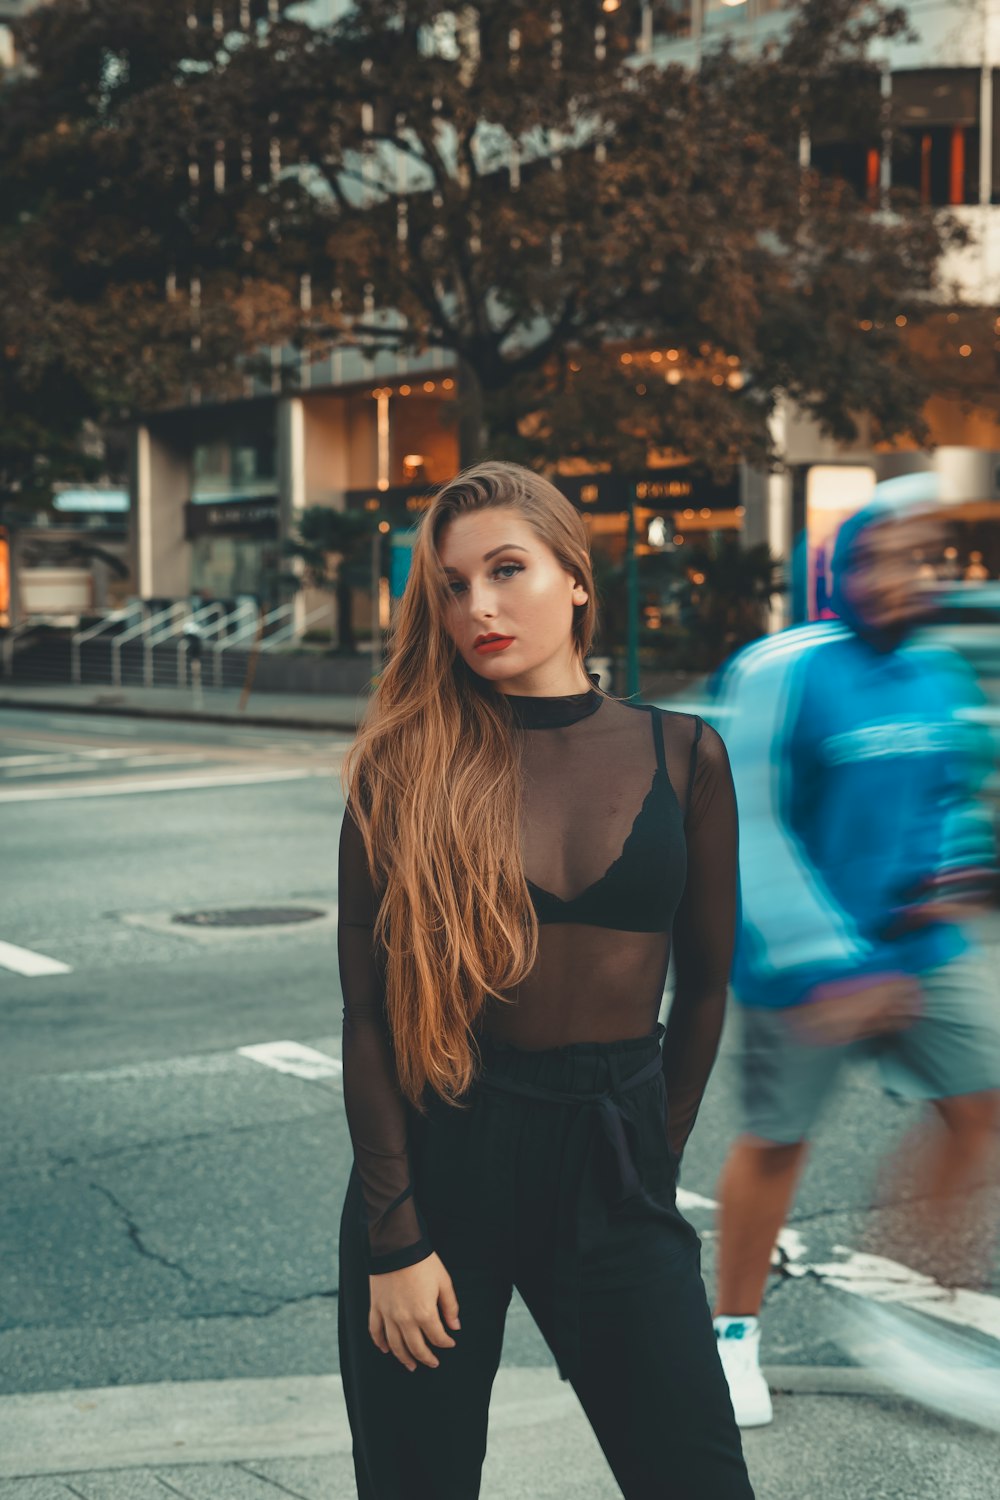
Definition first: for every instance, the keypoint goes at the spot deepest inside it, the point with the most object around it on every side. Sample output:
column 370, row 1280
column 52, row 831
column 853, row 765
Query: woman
column 518, row 848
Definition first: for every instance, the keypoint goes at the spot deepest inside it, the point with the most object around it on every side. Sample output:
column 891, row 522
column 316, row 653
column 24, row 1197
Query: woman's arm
column 376, row 1109
column 704, row 933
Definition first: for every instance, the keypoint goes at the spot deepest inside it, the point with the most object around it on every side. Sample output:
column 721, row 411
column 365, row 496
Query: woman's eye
column 456, row 587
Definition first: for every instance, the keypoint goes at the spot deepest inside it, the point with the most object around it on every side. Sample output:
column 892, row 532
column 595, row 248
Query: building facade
column 217, row 488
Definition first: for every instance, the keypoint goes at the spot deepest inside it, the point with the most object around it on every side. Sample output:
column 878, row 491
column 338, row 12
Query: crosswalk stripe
column 135, row 788
column 294, row 1057
column 25, row 961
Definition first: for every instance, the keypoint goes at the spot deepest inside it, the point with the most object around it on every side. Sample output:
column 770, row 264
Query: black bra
column 641, row 889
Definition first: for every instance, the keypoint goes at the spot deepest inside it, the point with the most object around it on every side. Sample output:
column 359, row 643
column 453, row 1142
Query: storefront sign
column 231, row 518
column 677, row 488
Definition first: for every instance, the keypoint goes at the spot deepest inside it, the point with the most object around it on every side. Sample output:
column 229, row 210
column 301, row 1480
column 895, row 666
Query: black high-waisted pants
column 556, row 1179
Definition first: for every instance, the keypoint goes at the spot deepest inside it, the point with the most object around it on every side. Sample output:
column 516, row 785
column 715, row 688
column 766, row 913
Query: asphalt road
column 170, row 1200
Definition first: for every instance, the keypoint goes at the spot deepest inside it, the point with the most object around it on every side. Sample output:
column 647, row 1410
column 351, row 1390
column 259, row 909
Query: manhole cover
column 248, row 916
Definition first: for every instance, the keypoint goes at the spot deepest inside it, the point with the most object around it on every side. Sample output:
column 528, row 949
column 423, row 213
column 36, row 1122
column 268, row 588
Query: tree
column 724, row 592
column 506, row 181
column 331, row 544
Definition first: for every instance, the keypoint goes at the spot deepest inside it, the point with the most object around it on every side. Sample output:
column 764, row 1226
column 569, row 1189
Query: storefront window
column 936, row 153
column 671, row 18
column 719, row 13
column 240, row 464
column 845, row 139
column 223, row 567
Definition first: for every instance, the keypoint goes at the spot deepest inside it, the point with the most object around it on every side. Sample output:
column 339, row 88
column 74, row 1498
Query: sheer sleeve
column 703, row 931
column 376, row 1108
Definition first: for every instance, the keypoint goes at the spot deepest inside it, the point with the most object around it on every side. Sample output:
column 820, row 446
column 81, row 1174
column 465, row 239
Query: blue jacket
column 856, row 773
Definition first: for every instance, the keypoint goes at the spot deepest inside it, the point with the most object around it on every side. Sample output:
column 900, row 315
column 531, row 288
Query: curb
column 228, row 1421
column 129, row 711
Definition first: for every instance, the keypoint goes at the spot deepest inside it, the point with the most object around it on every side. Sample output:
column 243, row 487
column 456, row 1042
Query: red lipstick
column 487, row 643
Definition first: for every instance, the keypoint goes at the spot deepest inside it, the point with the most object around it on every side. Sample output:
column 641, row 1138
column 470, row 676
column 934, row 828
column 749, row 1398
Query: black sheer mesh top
column 629, row 842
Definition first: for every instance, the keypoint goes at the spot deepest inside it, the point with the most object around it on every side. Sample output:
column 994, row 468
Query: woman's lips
column 497, row 645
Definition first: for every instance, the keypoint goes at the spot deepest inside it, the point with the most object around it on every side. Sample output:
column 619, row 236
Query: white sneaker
column 738, row 1341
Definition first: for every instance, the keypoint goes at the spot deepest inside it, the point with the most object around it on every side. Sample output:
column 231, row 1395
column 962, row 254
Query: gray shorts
column 954, row 1048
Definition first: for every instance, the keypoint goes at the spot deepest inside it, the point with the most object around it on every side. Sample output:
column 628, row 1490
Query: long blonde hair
column 434, row 782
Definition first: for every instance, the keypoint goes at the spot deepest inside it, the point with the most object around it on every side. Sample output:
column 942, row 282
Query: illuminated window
column 936, row 154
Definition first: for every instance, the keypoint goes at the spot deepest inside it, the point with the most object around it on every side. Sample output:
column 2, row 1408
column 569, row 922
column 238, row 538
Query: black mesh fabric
column 629, row 842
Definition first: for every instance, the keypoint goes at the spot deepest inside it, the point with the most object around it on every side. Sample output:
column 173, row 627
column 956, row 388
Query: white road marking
column 135, row 788
column 25, row 760
column 294, row 1057
column 25, row 961
column 163, row 759
column 884, row 1280
column 875, row 1277
column 687, row 1199
column 63, row 766
column 207, row 1064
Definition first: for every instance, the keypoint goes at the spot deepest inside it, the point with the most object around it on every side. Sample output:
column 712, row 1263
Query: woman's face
column 504, row 580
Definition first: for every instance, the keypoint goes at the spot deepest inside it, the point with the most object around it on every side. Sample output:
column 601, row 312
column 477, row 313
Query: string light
column 965, row 350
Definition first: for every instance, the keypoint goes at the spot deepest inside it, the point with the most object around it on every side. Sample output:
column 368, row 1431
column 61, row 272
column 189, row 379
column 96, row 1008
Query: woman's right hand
column 406, row 1312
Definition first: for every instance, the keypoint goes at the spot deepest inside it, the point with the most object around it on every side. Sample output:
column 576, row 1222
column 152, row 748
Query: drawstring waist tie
column 598, row 1116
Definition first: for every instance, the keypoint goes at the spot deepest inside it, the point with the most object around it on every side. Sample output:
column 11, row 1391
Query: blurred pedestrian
column 864, row 853
column 517, row 850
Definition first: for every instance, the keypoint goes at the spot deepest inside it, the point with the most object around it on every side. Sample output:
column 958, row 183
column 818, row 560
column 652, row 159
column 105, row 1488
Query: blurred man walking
column 863, row 853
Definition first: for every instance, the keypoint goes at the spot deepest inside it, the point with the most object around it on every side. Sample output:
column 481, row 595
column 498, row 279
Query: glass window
column 846, row 131
column 940, row 163
column 936, row 153
column 720, row 13
column 240, row 464
column 671, row 18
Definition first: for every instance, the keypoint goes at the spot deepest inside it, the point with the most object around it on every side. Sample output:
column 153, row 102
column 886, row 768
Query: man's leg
column 784, row 1083
column 936, row 1220
column 756, row 1189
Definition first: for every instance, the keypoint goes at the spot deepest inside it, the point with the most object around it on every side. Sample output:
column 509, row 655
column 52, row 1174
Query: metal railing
column 291, row 630
column 182, row 617
column 214, row 626
column 244, row 633
column 81, row 636
column 142, row 628
column 21, row 628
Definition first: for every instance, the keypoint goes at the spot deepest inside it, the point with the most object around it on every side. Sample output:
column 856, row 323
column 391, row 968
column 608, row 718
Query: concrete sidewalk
column 834, row 1435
